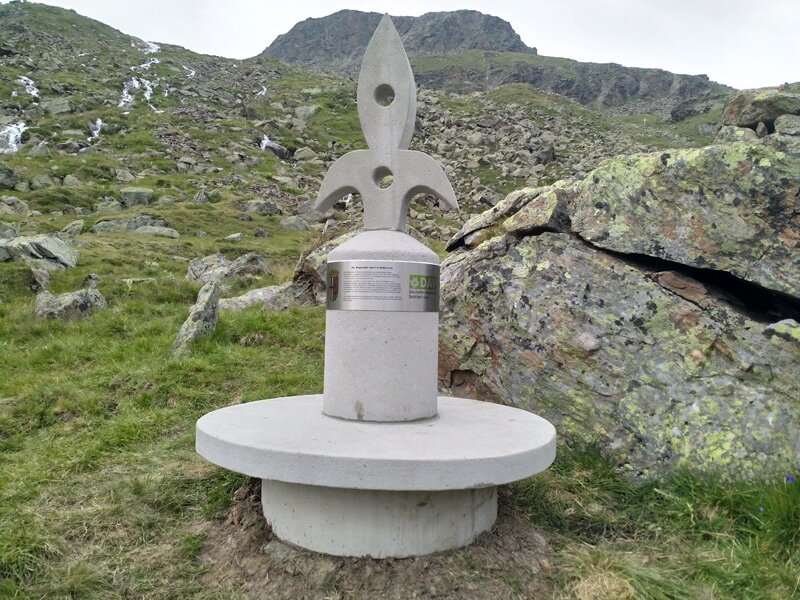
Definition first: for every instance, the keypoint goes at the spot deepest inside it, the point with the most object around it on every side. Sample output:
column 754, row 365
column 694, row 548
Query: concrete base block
column 377, row 523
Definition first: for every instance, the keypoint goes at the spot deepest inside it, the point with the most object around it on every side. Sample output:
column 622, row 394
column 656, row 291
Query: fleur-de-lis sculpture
column 387, row 175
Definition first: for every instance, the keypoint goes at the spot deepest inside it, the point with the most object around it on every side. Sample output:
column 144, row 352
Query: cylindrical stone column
column 381, row 329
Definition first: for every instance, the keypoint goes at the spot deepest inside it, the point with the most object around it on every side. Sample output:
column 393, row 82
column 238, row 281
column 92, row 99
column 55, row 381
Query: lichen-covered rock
column 631, row 307
column 747, row 107
column 201, row 321
column 612, row 356
column 733, row 208
column 788, row 125
column 44, row 250
column 69, row 306
column 729, row 134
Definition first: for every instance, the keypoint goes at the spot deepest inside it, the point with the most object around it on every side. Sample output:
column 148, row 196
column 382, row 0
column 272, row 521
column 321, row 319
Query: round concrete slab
column 471, row 444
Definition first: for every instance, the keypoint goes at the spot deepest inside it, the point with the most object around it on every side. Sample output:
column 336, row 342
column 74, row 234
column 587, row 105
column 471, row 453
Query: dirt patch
column 511, row 561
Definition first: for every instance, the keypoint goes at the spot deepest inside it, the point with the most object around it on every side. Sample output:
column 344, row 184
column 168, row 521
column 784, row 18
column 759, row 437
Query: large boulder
column 201, row 321
column 650, row 308
column 44, row 250
column 748, row 108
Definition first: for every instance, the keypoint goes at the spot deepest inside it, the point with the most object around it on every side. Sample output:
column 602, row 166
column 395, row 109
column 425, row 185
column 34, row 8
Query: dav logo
column 333, row 285
column 423, row 282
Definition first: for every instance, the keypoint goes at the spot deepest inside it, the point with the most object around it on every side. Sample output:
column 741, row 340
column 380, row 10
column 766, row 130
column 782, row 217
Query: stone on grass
column 260, row 206
column 74, row 228
column 294, row 223
column 45, row 250
column 200, row 197
column 133, row 196
column 216, row 267
column 41, row 279
column 11, row 205
column 8, row 178
column 201, row 321
column 71, row 181
column 157, row 231
column 127, row 224
column 254, row 297
column 8, row 230
column 234, row 237
column 108, row 206
column 70, row 306
column 304, row 153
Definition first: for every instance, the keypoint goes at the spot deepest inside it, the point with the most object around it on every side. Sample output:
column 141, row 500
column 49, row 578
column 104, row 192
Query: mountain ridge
column 451, row 51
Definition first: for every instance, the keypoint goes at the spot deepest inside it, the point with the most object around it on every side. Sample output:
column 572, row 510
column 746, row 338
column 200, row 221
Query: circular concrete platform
column 471, row 444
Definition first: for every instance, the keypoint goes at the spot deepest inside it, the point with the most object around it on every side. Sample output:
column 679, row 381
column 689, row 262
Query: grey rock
column 234, row 237
column 74, row 228
column 69, row 306
column 201, row 321
column 610, row 355
column 254, row 297
column 261, row 206
column 294, row 223
column 304, row 153
column 157, row 231
column 8, row 178
column 127, row 224
column 44, row 250
column 71, row 181
column 11, row 205
column 216, row 267
column 108, row 206
column 259, row 233
column 41, row 279
column 788, row 125
column 200, row 197
column 133, row 196
column 40, row 149
column 166, row 200
column 304, row 113
column 8, row 231
column 729, row 134
column 57, row 106
column 124, row 176
column 42, row 181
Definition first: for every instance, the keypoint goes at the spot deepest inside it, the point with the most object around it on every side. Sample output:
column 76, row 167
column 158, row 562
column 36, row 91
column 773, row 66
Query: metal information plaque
column 383, row 285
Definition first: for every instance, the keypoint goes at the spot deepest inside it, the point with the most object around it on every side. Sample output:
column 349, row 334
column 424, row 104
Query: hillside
column 150, row 195
column 467, row 51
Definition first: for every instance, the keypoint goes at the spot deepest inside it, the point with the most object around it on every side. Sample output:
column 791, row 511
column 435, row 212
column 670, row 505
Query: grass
column 686, row 537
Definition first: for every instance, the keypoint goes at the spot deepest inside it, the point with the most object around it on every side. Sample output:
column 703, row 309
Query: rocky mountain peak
column 337, row 42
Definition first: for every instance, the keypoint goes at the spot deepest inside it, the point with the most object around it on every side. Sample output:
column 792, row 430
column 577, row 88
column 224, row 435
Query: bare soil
column 513, row 560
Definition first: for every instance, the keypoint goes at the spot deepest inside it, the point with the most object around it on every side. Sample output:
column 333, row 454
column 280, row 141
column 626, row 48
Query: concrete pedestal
column 377, row 523
column 356, row 488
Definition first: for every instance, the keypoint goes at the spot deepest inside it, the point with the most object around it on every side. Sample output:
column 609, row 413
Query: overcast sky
column 743, row 43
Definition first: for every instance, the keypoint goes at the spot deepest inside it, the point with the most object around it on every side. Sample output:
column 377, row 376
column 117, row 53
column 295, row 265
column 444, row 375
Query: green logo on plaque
column 423, row 282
